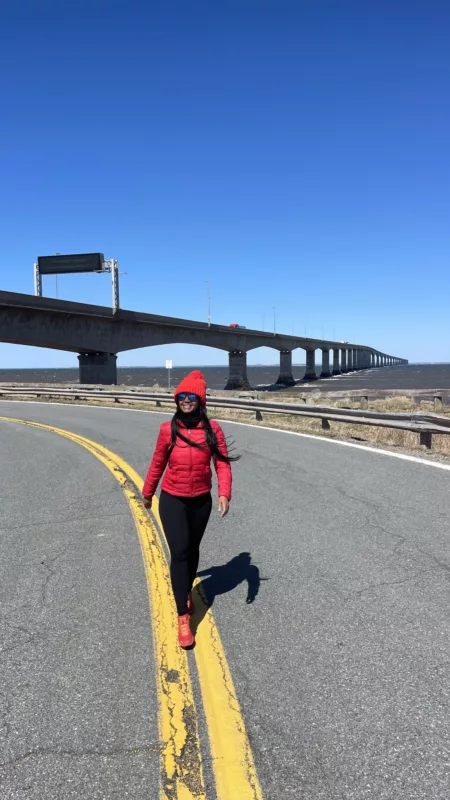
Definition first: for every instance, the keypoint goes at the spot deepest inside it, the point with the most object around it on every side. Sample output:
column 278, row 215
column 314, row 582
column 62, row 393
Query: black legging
column 184, row 521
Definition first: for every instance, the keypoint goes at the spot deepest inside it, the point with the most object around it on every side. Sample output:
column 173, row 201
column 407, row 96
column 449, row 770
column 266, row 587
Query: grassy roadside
column 387, row 438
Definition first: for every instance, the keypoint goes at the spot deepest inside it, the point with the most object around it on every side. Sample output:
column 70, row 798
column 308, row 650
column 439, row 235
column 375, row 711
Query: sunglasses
column 183, row 396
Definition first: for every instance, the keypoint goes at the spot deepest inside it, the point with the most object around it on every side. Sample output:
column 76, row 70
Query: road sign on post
column 169, row 367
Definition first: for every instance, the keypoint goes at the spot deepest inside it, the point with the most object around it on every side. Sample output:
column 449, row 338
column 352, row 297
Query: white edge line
column 375, row 450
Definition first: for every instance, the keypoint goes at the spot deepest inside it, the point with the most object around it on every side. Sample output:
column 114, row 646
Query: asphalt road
column 341, row 662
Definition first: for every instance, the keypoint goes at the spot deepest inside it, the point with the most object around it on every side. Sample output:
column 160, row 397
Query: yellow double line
column 181, row 759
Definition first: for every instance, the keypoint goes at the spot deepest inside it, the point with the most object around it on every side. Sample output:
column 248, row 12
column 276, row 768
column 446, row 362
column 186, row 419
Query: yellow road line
column 181, row 765
column 234, row 766
column 233, row 763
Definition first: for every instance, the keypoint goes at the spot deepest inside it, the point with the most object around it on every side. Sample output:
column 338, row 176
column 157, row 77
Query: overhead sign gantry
column 76, row 263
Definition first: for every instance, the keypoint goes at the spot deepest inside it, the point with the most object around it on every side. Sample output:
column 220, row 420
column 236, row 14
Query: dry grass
column 379, row 437
column 395, row 403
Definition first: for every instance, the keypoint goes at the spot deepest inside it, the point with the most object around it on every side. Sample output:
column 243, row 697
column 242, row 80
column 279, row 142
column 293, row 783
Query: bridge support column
column 310, row 372
column 286, row 377
column 325, row 363
column 336, row 367
column 344, row 360
column 350, row 360
column 98, row 368
column 237, row 375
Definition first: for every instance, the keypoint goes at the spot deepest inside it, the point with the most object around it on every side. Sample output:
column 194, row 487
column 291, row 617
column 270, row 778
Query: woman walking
column 185, row 445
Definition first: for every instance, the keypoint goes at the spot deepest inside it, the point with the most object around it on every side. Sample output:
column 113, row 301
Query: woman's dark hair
column 210, row 436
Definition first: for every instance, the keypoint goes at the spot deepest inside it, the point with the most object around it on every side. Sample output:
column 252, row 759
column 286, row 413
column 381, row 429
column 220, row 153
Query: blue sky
column 294, row 154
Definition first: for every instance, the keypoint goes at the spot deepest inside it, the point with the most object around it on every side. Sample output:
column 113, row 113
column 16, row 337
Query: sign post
column 169, row 367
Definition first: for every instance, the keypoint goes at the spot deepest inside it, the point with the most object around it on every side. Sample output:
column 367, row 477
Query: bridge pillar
column 350, row 360
column 336, row 368
column 237, row 375
column 344, row 360
column 286, row 377
column 325, row 363
column 310, row 372
column 98, row 368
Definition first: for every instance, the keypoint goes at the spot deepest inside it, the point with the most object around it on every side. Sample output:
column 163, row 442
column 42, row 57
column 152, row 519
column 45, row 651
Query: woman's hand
column 147, row 503
column 224, row 506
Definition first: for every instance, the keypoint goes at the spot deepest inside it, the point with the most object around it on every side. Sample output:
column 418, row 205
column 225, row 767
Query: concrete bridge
column 97, row 334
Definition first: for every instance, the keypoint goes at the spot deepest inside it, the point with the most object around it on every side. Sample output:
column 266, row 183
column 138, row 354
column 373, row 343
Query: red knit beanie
column 194, row 383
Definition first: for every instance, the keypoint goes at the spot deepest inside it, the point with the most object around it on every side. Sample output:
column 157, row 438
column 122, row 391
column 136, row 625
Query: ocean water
column 410, row 376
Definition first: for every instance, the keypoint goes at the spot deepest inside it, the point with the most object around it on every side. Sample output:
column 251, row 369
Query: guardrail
column 424, row 424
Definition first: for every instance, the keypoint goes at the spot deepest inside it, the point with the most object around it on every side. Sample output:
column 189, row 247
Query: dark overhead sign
column 81, row 262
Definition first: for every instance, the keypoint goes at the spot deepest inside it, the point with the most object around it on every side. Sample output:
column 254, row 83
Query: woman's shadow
column 225, row 578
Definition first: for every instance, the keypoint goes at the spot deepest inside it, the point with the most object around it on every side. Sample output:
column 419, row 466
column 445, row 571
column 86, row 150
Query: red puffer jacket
column 188, row 468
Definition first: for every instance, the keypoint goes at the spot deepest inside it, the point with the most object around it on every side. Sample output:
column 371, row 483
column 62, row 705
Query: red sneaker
column 191, row 607
column 185, row 636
